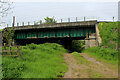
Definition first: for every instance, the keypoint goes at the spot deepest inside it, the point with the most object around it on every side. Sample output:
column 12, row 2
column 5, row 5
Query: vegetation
column 38, row 61
column 104, row 54
column 109, row 34
column 8, row 34
column 12, row 67
column 49, row 20
column 79, row 58
column 78, row 45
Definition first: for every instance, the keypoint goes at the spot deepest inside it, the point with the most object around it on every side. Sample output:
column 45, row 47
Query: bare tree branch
column 5, row 7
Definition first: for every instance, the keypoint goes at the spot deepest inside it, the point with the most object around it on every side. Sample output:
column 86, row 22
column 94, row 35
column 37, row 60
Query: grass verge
column 79, row 58
column 103, row 54
column 38, row 61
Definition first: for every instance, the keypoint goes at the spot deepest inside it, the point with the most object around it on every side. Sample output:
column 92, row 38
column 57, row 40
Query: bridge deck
column 56, row 30
column 58, row 25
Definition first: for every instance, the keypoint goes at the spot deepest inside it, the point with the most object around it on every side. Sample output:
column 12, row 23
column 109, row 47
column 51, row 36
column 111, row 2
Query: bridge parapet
column 58, row 25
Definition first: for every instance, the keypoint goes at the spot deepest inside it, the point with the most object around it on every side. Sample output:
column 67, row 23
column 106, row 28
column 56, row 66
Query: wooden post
column 84, row 18
column 19, row 52
column 28, row 23
column 76, row 19
column 68, row 19
column 5, row 47
column 10, row 50
column 117, row 47
column 87, row 36
column 7, row 25
column 61, row 20
column 17, row 24
column 113, row 18
column 13, row 21
column 22, row 23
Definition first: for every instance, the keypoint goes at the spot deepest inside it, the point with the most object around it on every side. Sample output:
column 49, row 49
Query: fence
column 8, row 51
column 58, row 20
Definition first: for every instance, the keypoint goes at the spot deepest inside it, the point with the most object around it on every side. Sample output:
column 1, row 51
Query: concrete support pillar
column 98, row 38
column 90, row 41
column 87, row 45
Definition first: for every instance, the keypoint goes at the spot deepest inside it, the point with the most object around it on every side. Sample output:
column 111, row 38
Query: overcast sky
column 65, row 0
column 36, row 10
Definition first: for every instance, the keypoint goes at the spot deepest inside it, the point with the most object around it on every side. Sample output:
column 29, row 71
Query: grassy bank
column 109, row 34
column 106, row 51
column 87, row 64
column 38, row 61
column 103, row 54
column 79, row 58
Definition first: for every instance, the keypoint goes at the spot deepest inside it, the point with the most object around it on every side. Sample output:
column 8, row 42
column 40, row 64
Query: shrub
column 78, row 45
column 11, row 68
column 31, row 46
column 103, row 53
column 109, row 34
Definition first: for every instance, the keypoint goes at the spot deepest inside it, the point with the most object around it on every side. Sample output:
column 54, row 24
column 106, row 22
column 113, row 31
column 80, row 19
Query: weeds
column 38, row 61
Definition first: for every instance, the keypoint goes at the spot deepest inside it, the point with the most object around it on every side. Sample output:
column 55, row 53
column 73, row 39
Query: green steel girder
column 77, row 32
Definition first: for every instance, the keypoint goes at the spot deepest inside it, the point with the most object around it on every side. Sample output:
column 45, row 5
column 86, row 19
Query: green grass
column 109, row 34
column 95, row 74
column 8, row 48
column 79, row 58
column 40, row 61
column 77, row 45
column 103, row 54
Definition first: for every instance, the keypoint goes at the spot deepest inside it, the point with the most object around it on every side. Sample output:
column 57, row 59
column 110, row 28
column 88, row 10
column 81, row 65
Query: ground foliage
column 107, row 50
column 109, row 34
column 38, row 61
column 77, row 45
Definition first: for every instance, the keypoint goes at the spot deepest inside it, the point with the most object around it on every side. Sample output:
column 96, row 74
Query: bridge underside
column 75, row 32
column 50, row 40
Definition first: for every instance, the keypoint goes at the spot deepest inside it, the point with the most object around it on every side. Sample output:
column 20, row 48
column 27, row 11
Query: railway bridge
column 66, row 32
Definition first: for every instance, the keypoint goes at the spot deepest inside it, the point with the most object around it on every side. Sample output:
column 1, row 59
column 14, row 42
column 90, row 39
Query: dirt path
column 95, row 69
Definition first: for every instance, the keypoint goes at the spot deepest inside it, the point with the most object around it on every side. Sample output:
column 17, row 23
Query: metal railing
column 58, row 20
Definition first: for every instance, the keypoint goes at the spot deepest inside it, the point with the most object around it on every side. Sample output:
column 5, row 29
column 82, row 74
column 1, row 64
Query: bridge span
column 56, row 31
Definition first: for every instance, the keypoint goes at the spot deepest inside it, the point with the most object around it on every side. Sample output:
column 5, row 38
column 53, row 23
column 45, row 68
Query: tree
column 8, row 34
column 49, row 20
column 5, row 7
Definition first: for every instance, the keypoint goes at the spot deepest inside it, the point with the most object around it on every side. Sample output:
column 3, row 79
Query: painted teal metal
column 77, row 32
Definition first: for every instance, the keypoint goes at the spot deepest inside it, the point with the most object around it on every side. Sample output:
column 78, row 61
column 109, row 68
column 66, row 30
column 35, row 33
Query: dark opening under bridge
column 42, row 32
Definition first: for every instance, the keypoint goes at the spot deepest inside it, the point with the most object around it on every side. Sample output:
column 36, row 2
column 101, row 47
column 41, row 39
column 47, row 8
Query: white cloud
column 65, row 0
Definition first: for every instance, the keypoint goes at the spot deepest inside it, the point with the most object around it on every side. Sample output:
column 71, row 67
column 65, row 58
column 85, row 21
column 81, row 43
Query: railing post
column 13, row 21
column 84, row 18
column 28, row 23
column 7, row 25
column 76, row 19
column 22, row 23
column 68, row 19
column 61, row 20
column 17, row 24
